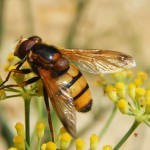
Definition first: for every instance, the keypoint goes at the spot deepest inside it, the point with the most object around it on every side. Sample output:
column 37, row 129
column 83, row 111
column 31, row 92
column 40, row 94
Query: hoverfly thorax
column 48, row 57
column 25, row 45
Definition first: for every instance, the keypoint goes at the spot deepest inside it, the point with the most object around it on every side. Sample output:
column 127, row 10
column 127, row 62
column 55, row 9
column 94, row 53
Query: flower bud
column 140, row 92
column 80, row 144
column 142, row 75
column 112, row 93
column 120, row 76
column 94, row 139
column 11, row 57
column 123, row 106
column 138, row 82
column 20, row 129
column 51, row 146
column 65, row 141
column 40, row 126
column 121, row 91
column 107, row 147
column 19, row 142
column 43, row 147
column 61, row 132
column 131, row 90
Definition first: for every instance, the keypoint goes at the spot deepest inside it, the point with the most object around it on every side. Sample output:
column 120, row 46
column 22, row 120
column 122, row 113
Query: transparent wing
column 61, row 100
column 100, row 61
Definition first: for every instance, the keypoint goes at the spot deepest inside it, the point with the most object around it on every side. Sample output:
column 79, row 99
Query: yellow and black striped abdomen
column 78, row 87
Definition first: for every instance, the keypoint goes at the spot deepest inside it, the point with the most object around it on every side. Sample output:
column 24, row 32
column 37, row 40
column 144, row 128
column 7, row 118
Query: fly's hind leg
column 48, row 113
column 24, row 83
column 22, row 71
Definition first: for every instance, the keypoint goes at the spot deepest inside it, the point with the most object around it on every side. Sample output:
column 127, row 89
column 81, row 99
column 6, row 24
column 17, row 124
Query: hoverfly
column 62, row 81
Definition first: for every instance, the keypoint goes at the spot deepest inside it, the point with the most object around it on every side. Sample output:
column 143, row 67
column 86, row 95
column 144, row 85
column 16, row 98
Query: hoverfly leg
column 48, row 113
column 27, row 82
column 22, row 71
column 20, row 63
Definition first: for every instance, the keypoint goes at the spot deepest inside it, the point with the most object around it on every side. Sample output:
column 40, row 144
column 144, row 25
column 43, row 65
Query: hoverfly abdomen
column 78, row 87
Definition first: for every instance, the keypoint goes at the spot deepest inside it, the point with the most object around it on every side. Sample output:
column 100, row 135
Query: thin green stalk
column 126, row 136
column 27, row 121
column 39, row 144
column 107, row 124
column 12, row 90
column 11, row 96
column 6, row 131
column 38, row 102
column 147, row 123
column 27, row 146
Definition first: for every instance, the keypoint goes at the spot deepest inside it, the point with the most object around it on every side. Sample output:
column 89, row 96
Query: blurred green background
column 116, row 25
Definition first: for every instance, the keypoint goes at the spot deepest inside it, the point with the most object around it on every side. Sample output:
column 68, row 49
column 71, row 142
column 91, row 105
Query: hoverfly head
column 25, row 45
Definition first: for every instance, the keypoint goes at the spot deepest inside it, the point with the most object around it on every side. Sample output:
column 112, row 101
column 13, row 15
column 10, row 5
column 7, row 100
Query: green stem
column 6, row 131
column 130, row 131
column 27, row 146
column 12, row 90
column 38, row 102
column 147, row 123
column 39, row 144
column 11, row 96
column 27, row 120
column 107, row 124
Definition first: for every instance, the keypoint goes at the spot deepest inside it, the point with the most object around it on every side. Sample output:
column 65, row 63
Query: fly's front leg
column 48, row 113
column 17, row 70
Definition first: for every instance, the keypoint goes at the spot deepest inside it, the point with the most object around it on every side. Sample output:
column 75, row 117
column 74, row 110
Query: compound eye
column 23, row 48
column 36, row 39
